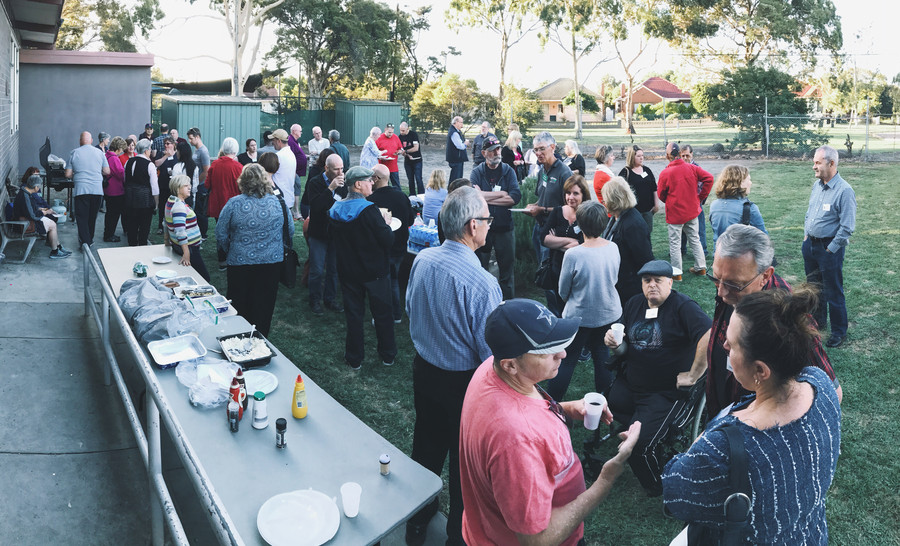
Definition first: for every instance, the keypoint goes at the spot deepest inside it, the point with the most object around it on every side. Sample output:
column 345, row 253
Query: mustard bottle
column 298, row 402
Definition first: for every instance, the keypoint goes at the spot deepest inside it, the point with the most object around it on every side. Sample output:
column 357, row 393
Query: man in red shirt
column 677, row 188
column 389, row 145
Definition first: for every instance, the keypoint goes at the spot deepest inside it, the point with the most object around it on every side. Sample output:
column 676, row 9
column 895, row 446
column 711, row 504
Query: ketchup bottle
column 235, row 392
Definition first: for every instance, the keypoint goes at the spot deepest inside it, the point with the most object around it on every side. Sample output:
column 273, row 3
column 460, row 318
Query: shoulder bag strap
column 737, row 505
column 285, row 234
column 745, row 215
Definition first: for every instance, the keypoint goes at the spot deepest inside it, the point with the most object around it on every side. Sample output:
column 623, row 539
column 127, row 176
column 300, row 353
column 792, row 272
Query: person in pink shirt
column 390, row 147
column 114, row 191
column 521, row 480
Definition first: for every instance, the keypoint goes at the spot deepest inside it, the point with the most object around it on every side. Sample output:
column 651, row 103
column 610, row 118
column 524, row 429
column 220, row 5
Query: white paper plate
column 260, row 380
column 166, row 274
column 395, row 224
column 162, row 260
column 298, row 518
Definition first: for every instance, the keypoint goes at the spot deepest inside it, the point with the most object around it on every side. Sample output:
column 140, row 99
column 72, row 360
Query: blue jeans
column 592, row 338
column 825, row 269
column 395, row 179
column 322, row 271
column 414, row 176
column 456, row 171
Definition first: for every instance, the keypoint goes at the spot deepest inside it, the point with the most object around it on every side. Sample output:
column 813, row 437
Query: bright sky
column 191, row 38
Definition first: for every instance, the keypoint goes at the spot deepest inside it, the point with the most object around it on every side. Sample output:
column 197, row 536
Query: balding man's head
column 381, row 176
column 86, row 138
column 334, row 166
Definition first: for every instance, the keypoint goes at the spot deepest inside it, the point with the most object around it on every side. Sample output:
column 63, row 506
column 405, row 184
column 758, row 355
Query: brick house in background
column 652, row 91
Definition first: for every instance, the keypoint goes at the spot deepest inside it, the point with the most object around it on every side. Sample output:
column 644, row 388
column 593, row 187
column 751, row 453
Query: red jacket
column 221, row 181
column 682, row 187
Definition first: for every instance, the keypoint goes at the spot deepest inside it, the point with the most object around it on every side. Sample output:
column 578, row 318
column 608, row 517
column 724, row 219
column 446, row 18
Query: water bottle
column 419, row 221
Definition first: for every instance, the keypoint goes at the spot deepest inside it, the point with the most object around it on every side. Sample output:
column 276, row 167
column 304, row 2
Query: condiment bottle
column 385, row 461
column 260, row 412
column 235, row 392
column 234, row 410
column 280, row 428
column 298, row 402
column 240, row 379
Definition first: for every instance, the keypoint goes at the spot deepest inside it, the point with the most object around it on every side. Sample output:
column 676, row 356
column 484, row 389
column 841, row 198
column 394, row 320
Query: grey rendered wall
column 9, row 138
column 61, row 101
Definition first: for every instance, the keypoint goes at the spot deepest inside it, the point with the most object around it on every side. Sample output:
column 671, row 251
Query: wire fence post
column 766, row 125
column 867, row 129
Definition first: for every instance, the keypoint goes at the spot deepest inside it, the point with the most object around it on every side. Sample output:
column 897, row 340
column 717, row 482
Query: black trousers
column 137, row 225
column 656, row 411
column 379, row 292
column 196, row 259
column 253, row 290
column 199, row 206
column 86, row 209
column 438, row 398
column 115, row 209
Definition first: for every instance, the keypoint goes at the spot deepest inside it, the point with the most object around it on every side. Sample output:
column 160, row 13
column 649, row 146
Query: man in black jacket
column 387, row 196
column 321, row 193
column 456, row 148
column 362, row 239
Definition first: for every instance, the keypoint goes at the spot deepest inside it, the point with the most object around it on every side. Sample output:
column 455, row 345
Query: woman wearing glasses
column 642, row 181
column 561, row 232
column 520, row 477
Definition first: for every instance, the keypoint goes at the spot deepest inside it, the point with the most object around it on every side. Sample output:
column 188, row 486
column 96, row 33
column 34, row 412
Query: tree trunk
column 629, row 108
column 578, row 127
column 315, row 87
column 504, row 49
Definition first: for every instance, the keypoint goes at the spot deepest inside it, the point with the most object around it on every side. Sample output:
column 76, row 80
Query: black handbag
column 737, row 505
column 545, row 277
column 291, row 262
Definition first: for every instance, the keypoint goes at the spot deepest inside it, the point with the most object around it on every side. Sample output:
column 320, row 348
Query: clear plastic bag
column 136, row 294
column 150, row 321
column 208, row 380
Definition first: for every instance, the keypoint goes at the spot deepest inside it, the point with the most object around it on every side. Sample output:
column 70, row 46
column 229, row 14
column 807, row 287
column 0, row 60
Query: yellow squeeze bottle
column 298, row 403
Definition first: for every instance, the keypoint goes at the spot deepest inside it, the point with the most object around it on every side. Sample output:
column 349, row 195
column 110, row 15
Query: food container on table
column 169, row 352
column 247, row 361
column 218, row 301
column 178, row 282
column 196, row 291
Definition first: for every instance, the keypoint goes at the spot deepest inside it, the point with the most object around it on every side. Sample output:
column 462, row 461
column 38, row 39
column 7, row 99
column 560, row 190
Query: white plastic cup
column 594, row 404
column 618, row 330
column 350, row 494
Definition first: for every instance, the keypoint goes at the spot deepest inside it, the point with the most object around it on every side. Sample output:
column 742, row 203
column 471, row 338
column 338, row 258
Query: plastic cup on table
column 594, row 404
column 618, row 330
column 350, row 494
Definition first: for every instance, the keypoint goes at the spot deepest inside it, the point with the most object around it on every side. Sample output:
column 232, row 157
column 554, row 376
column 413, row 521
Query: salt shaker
column 260, row 412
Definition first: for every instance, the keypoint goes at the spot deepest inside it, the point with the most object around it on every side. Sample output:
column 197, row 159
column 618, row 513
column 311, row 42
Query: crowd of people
column 481, row 354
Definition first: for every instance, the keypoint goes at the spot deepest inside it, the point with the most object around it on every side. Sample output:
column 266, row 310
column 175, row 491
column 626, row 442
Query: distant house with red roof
column 812, row 94
column 551, row 96
column 652, row 91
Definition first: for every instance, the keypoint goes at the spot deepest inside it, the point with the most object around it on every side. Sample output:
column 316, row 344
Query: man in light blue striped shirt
column 830, row 221
column 448, row 300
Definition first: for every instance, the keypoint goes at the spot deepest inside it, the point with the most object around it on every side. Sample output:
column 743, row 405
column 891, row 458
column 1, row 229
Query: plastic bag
column 189, row 320
column 150, row 321
column 208, row 380
column 135, row 294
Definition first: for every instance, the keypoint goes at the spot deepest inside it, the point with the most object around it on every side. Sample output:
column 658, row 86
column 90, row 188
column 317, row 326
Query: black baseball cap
column 490, row 143
column 520, row 326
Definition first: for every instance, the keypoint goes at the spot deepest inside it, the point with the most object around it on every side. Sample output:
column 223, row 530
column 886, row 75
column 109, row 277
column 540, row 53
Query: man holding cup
column 664, row 333
column 521, row 480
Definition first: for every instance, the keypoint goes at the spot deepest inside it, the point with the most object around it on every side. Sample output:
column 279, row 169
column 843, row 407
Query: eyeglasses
column 730, row 286
column 488, row 219
column 553, row 405
column 539, row 149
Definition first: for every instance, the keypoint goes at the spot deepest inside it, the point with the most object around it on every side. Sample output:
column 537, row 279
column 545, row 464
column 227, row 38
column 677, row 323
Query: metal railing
column 163, row 511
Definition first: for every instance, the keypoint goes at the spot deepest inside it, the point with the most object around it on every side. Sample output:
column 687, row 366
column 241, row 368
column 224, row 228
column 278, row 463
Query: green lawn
column 863, row 504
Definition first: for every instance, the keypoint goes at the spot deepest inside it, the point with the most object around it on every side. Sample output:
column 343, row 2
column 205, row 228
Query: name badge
column 544, row 184
column 576, row 229
column 497, row 187
column 652, row 313
column 728, row 363
column 826, row 206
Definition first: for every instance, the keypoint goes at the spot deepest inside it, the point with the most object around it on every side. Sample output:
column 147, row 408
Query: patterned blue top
column 791, row 468
column 249, row 229
column 368, row 157
column 448, row 300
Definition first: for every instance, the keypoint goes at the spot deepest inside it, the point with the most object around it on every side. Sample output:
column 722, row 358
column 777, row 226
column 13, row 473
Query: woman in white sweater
column 587, row 283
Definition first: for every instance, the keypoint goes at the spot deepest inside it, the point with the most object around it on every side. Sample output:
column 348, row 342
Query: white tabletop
column 329, row 447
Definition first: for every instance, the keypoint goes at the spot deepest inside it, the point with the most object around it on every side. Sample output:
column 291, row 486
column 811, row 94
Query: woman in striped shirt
column 181, row 225
column 790, row 426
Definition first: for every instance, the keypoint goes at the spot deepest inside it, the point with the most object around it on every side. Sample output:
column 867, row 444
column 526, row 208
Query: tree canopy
column 112, row 24
column 436, row 102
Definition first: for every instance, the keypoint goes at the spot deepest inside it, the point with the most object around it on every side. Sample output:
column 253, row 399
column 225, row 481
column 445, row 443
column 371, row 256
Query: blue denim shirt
column 831, row 212
column 729, row 210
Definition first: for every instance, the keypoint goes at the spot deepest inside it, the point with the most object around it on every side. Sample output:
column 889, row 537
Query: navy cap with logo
column 490, row 143
column 520, row 326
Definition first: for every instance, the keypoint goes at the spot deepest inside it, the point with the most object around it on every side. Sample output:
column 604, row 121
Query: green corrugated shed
column 217, row 117
column 355, row 118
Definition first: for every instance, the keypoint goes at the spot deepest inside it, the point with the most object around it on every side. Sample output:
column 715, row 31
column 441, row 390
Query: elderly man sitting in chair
column 665, row 332
column 29, row 205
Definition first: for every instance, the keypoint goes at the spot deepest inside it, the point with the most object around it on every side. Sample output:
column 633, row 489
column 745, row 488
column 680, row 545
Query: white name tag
column 576, row 229
column 826, row 206
column 728, row 363
column 652, row 313
column 497, row 187
column 544, row 184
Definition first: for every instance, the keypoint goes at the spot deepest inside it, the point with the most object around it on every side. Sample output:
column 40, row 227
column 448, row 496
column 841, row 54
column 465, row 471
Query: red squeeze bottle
column 240, row 379
column 235, row 391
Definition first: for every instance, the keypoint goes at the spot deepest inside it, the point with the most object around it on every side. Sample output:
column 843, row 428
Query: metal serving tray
column 247, row 363
column 169, row 352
